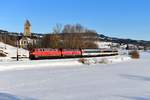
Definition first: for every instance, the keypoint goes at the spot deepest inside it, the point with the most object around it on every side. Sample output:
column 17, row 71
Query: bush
column 2, row 55
column 134, row 54
column 82, row 60
column 88, row 61
column 103, row 61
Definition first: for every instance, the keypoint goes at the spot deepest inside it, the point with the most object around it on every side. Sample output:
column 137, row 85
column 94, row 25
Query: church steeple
column 27, row 28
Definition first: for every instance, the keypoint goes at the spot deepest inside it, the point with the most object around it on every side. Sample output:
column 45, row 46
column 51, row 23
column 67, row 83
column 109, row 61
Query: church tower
column 27, row 28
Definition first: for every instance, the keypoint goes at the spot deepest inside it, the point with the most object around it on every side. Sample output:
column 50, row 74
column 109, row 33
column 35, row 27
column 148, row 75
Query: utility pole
column 17, row 49
column 1, row 38
column 18, row 39
column 5, row 40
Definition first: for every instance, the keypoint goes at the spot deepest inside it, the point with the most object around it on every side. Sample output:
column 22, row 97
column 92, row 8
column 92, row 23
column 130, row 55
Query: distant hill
column 124, row 41
column 101, row 37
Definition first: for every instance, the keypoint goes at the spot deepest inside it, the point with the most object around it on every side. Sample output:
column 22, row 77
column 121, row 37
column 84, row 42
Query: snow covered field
column 12, row 52
column 58, row 63
column 128, row 80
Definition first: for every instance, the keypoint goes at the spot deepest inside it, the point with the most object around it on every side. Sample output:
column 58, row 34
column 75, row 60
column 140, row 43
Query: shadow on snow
column 136, row 77
column 135, row 97
column 6, row 96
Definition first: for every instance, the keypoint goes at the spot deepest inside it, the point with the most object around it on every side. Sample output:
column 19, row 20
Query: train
column 48, row 53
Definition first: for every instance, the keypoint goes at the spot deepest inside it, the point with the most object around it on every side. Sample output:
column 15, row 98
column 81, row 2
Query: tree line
column 70, row 37
column 66, row 37
column 8, row 38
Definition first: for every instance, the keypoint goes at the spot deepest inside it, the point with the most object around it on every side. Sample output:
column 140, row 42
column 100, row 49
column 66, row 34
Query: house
column 102, row 44
column 26, row 41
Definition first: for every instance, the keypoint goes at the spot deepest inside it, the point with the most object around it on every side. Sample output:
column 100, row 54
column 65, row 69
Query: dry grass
column 2, row 55
column 134, row 54
column 82, row 60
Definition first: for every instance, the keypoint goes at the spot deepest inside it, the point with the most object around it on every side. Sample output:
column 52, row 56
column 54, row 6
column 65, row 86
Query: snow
column 22, row 65
column 102, row 78
column 28, row 64
column 128, row 80
column 12, row 52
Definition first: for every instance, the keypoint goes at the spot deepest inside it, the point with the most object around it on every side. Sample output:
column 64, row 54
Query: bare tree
column 57, row 29
column 45, row 41
column 67, row 29
column 71, row 37
column 55, row 41
column 77, row 28
column 77, row 36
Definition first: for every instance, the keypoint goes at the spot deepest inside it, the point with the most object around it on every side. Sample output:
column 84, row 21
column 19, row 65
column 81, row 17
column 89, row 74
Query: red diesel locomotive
column 44, row 53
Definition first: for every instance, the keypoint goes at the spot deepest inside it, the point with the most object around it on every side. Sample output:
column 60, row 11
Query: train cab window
column 36, row 49
column 32, row 50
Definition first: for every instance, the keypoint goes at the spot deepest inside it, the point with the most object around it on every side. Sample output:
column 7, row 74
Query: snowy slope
column 117, row 81
column 12, row 51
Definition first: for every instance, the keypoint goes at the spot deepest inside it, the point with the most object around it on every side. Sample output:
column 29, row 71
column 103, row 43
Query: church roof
column 27, row 23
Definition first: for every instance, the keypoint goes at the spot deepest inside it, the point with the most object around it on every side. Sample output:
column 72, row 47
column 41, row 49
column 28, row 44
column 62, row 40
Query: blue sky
column 116, row 18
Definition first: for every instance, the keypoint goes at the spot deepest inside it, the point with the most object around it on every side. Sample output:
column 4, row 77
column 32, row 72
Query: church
column 27, row 38
column 27, row 29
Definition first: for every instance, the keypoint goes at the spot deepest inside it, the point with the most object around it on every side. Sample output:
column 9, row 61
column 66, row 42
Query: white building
column 102, row 44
